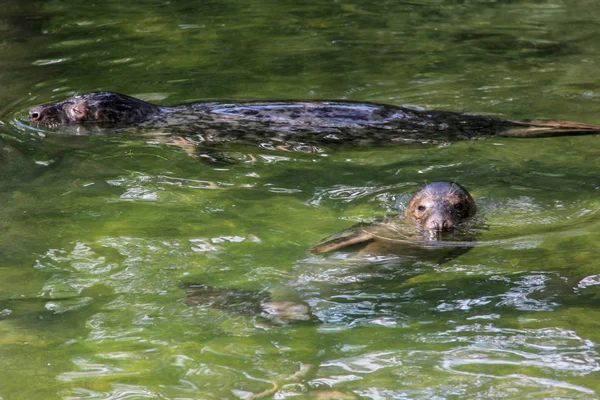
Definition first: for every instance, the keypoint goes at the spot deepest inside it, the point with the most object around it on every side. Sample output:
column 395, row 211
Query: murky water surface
column 101, row 233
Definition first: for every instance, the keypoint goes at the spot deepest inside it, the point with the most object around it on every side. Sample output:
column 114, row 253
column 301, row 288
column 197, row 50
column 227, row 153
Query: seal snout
column 440, row 221
column 37, row 114
column 437, row 225
column 44, row 115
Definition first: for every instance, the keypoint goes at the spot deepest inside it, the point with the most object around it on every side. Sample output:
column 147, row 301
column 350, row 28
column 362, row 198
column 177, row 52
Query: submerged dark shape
column 246, row 302
column 312, row 122
column 438, row 208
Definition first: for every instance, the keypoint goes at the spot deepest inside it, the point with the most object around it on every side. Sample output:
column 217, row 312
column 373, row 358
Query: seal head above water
column 99, row 107
column 437, row 208
column 440, row 206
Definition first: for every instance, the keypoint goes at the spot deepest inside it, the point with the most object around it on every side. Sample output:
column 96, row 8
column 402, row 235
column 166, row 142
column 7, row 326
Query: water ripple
column 492, row 358
column 557, row 349
column 118, row 392
column 87, row 369
column 346, row 194
column 366, row 363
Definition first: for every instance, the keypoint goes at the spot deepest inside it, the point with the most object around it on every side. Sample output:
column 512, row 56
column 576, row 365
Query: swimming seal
column 310, row 122
column 438, row 207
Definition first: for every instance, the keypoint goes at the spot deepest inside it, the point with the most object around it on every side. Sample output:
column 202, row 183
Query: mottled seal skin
column 311, row 122
column 438, row 207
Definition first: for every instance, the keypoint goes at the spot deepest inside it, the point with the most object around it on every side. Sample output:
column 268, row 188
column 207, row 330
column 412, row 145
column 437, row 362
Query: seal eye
column 459, row 206
column 421, row 208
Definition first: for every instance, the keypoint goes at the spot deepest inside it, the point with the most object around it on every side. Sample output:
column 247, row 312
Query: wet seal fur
column 437, row 208
column 309, row 122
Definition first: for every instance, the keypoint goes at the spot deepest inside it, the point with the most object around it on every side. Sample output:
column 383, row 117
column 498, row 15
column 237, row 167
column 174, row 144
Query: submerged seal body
column 311, row 122
column 437, row 208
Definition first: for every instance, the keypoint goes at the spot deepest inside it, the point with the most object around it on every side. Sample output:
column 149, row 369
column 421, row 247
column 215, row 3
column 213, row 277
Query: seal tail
column 536, row 129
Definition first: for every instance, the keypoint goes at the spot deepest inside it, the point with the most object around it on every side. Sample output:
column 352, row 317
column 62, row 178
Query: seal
column 310, row 122
column 437, row 208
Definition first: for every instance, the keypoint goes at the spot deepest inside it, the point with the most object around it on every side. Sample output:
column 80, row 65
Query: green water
column 99, row 233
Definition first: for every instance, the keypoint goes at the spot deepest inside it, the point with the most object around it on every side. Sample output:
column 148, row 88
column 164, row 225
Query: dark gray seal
column 310, row 122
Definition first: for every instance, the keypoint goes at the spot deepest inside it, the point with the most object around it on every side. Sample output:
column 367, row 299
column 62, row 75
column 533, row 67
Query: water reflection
column 350, row 295
column 118, row 392
column 451, row 319
column 469, row 321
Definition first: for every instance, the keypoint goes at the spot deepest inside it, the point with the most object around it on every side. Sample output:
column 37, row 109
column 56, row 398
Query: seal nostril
column 34, row 116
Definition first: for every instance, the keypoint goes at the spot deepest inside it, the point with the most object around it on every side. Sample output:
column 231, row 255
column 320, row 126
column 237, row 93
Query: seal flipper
column 348, row 237
column 536, row 129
